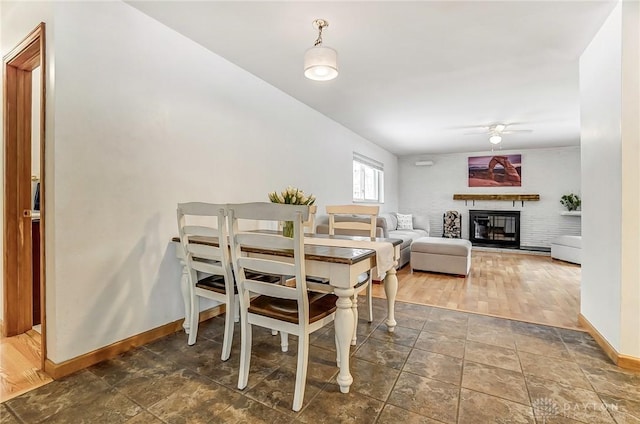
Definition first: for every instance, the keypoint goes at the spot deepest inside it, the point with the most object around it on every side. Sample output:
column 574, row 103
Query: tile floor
column 439, row 366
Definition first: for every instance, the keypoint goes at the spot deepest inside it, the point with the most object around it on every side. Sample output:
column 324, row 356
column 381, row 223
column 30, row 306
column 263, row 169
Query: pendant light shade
column 495, row 139
column 320, row 62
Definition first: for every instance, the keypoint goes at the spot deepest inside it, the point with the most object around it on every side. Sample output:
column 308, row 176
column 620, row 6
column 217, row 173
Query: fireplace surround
column 494, row 228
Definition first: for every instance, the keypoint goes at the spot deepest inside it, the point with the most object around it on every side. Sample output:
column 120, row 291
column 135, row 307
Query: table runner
column 384, row 250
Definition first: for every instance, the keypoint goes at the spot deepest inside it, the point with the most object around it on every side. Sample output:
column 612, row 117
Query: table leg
column 186, row 296
column 344, row 332
column 390, row 290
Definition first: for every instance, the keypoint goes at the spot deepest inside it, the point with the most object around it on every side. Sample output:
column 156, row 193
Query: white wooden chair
column 290, row 310
column 308, row 226
column 353, row 211
column 366, row 225
column 213, row 261
column 210, row 272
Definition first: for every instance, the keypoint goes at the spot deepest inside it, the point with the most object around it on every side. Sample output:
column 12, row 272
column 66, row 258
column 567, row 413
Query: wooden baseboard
column 57, row 371
column 623, row 361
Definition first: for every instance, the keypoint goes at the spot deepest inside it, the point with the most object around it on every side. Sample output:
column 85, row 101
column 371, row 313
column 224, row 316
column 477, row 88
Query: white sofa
column 387, row 227
column 567, row 248
column 420, row 229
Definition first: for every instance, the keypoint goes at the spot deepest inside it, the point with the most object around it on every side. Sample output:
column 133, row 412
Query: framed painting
column 495, row 171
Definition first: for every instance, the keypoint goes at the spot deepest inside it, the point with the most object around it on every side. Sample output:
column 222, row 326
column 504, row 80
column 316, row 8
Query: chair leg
column 193, row 319
column 185, row 288
column 284, row 341
column 245, row 352
column 227, row 341
column 301, row 371
column 370, row 299
column 354, row 309
column 236, row 309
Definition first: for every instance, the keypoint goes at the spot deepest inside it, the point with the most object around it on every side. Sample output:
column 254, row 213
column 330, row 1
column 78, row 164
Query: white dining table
column 341, row 266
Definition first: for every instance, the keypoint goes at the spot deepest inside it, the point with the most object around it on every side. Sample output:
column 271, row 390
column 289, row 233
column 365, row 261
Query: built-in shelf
column 571, row 213
column 506, row 197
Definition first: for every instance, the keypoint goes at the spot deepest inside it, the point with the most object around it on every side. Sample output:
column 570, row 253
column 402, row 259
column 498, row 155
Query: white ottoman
column 567, row 248
column 450, row 256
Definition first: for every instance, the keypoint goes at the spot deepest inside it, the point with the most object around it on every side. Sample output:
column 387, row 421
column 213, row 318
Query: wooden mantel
column 506, row 197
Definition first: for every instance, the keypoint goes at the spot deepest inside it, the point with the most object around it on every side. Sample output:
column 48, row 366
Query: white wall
column 609, row 91
column 428, row 190
column 144, row 119
column 630, row 288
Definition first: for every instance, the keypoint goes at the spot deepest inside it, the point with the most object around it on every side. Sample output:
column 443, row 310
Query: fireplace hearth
column 494, row 228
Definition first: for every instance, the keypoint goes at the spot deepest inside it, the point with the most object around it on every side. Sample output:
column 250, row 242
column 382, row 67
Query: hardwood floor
column 532, row 288
column 20, row 365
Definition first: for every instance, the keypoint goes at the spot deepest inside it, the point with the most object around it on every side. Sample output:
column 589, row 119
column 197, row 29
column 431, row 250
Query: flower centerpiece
column 291, row 196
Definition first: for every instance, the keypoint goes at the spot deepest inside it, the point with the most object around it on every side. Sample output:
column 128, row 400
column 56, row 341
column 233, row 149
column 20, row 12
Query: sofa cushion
column 407, row 236
column 405, row 221
column 391, row 220
column 421, row 222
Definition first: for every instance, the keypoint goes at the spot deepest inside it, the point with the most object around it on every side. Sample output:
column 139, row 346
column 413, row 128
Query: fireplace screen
column 494, row 228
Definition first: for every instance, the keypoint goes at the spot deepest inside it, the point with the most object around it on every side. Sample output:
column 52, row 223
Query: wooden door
column 17, row 243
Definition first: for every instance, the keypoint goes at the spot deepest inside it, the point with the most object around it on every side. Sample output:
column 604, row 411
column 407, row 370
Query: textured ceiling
column 415, row 77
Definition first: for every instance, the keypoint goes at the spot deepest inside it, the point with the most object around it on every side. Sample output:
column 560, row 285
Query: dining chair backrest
column 198, row 255
column 349, row 213
column 308, row 226
column 268, row 241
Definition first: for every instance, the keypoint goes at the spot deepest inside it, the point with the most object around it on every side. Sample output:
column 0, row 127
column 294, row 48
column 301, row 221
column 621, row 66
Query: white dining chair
column 309, row 225
column 349, row 219
column 211, row 262
column 290, row 310
column 210, row 273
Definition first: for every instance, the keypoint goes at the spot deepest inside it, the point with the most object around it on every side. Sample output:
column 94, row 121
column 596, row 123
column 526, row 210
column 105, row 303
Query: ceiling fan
column 496, row 131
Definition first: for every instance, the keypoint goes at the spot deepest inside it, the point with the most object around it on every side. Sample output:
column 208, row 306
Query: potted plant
column 571, row 201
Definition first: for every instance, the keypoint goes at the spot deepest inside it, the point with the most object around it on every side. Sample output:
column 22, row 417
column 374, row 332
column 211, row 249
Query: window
column 368, row 179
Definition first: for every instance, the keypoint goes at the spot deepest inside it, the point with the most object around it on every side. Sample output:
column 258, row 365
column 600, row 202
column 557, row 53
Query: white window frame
column 364, row 167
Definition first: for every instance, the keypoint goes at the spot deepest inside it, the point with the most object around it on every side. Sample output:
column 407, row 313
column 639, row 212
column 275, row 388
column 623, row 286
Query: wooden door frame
column 18, row 65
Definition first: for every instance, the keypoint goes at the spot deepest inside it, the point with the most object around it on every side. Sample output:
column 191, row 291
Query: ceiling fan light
column 321, row 63
column 495, row 139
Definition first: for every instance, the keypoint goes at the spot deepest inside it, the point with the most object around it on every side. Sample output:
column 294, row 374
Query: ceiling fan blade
column 516, row 131
column 469, row 127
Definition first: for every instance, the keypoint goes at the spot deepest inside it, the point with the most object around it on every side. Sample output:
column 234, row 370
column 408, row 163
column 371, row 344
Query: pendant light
column 496, row 133
column 495, row 139
column 320, row 62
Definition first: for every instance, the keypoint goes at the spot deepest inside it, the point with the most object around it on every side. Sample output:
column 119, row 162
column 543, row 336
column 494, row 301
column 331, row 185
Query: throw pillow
column 405, row 221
